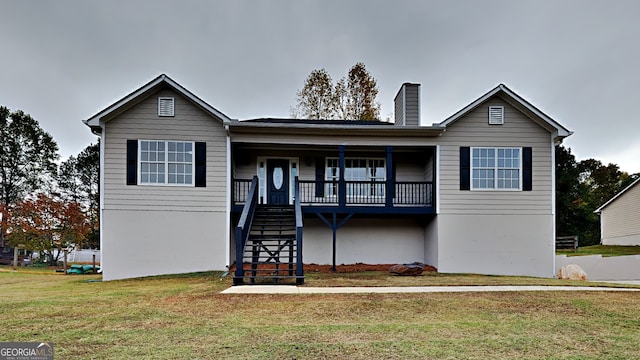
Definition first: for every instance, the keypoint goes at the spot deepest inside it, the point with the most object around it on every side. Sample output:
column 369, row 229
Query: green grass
column 604, row 250
column 186, row 317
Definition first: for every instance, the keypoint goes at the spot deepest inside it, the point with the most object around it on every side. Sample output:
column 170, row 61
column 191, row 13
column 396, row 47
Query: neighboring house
column 181, row 182
column 620, row 217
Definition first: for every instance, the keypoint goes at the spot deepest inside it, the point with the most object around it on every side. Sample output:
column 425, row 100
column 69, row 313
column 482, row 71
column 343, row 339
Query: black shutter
column 527, row 169
column 465, row 168
column 319, row 177
column 132, row 162
column 201, row 164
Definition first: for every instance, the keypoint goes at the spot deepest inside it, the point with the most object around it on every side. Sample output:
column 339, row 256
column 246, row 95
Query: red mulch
column 350, row 268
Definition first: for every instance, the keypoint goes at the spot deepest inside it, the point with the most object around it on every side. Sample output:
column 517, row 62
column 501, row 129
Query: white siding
column 147, row 243
column 621, row 219
column 389, row 241
column 500, row 245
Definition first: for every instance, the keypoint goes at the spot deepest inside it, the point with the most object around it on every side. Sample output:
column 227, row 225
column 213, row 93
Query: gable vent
column 496, row 115
column 165, row 106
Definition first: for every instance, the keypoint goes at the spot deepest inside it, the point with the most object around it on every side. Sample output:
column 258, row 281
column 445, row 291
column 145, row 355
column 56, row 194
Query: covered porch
column 340, row 179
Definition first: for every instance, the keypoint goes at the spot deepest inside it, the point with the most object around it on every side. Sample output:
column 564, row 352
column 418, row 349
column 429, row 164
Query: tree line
column 45, row 206
column 581, row 188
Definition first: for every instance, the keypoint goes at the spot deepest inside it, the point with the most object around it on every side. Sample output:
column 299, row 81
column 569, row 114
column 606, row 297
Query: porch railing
column 241, row 190
column 244, row 226
column 356, row 193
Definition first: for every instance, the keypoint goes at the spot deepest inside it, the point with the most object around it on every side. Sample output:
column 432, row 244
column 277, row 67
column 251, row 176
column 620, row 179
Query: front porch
column 332, row 184
column 356, row 180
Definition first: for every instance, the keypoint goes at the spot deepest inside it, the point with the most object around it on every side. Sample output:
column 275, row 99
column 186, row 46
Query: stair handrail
column 298, row 208
column 243, row 228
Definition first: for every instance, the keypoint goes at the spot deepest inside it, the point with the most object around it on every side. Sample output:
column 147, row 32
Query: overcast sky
column 577, row 61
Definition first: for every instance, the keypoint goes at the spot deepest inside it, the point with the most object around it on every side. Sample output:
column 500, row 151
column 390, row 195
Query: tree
column 362, row 90
column 582, row 187
column 27, row 157
column 353, row 97
column 47, row 224
column 78, row 181
column 315, row 100
column 568, row 190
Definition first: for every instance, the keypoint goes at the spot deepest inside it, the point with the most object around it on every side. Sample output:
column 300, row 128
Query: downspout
column 101, row 189
column 553, row 200
column 228, row 196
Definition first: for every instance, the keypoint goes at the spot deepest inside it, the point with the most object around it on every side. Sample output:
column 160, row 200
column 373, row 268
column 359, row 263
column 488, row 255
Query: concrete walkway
column 291, row 289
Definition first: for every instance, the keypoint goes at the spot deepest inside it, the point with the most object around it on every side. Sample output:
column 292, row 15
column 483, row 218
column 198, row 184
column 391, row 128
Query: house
column 186, row 188
column 620, row 217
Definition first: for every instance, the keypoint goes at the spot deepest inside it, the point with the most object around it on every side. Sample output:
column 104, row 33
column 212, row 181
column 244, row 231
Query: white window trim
column 262, row 176
column 367, row 159
column 173, row 106
column 166, row 164
column 495, row 178
column 492, row 119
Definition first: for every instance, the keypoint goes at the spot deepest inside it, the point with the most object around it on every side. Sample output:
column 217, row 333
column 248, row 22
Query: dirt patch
column 348, row 268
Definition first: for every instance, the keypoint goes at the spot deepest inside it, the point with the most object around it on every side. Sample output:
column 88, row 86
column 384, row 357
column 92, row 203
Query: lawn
column 604, row 250
column 185, row 317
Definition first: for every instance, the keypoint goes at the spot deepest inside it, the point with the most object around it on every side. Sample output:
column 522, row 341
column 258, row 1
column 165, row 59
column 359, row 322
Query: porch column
column 342, row 186
column 390, row 183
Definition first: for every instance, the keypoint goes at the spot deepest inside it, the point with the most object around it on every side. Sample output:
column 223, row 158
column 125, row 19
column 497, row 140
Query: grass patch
column 185, row 317
column 604, row 250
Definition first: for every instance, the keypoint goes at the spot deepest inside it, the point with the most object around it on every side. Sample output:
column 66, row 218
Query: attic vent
column 496, row 115
column 165, row 106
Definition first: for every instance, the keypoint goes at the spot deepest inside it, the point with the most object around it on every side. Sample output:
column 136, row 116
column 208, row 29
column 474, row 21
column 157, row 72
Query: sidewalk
column 291, row 289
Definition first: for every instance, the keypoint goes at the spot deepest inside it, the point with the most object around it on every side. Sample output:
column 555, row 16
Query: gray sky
column 578, row 61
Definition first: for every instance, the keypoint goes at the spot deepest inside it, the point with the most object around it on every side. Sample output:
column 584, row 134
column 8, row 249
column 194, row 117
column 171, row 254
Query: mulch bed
column 349, row 268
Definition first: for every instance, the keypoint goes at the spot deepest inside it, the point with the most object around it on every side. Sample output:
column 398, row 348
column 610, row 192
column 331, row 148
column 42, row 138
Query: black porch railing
column 244, row 226
column 241, row 190
column 356, row 193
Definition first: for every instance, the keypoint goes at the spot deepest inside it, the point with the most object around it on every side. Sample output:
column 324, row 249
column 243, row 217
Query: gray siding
column 142, row 122
column 517, row 131
column 407, row 105
column 621, row 219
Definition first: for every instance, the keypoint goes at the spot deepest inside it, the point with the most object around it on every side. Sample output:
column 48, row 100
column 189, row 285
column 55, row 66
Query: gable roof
column 514, row 99
column 636, row 182
column 143, row 92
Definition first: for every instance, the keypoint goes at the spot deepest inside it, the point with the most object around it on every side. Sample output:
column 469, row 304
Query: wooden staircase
column 270, row 251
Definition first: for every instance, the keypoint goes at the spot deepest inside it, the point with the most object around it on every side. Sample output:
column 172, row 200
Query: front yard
column 185, row 317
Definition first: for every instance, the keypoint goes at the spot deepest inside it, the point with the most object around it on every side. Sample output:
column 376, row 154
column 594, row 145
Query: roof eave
column 562, row 132
column 599, row 210
column 96, row 120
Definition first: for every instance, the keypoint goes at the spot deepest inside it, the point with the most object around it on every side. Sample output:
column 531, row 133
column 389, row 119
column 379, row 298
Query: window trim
column 496, row 168
column 329, row 180
column 166, row 163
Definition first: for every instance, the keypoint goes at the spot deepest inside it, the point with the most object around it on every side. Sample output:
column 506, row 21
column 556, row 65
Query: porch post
column 342, row 186
column 390, row 185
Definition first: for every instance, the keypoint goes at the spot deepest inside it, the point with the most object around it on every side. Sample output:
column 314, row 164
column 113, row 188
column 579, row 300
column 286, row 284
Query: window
column 166, row 162
column 496, row 168
column 496, row 115
column 165, row 106
column 366, row 176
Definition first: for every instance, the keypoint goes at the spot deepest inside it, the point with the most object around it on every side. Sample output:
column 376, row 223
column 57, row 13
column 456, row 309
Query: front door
column 278, row 182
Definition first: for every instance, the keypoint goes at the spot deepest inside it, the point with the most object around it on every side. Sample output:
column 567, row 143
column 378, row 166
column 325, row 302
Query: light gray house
column 620, row 217
column 186, row 188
